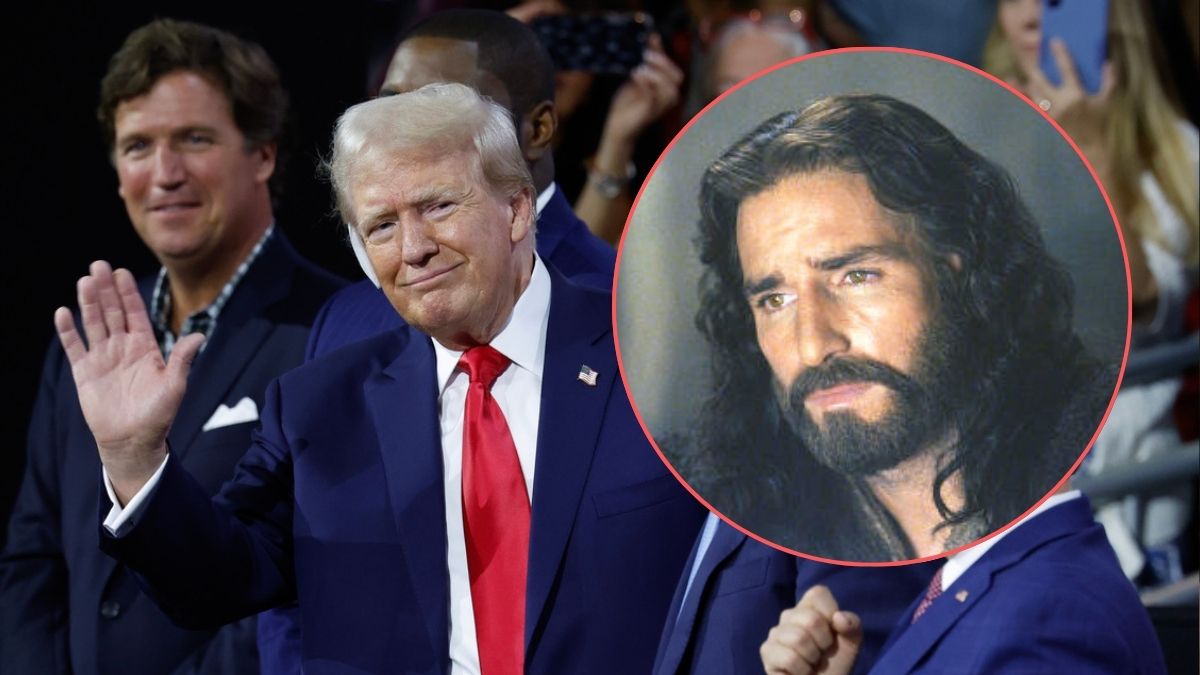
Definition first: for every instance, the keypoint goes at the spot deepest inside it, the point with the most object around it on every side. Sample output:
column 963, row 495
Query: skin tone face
column 451, row 253
column 195, row 195
column 1021, row 23
column 828, row 275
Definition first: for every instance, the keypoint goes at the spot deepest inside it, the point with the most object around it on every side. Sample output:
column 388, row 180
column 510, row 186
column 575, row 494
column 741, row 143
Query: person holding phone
column 1147, row 156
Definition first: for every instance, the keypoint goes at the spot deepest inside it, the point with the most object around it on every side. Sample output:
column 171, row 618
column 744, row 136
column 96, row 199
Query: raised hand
column 652, row 89
column 129, row 396
column 813, row 637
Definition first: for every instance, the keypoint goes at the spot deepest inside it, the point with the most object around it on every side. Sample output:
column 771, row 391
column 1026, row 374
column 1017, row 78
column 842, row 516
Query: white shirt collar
column 959, row 563
column 360, row 253
column 522, row 339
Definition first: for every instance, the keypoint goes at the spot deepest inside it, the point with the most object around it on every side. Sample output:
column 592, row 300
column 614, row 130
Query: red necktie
column 934, row 591
column 495, row 519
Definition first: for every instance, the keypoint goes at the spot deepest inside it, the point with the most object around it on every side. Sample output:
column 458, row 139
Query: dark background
column 60, row 202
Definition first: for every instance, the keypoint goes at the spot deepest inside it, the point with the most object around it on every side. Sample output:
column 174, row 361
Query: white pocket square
column 245, row 411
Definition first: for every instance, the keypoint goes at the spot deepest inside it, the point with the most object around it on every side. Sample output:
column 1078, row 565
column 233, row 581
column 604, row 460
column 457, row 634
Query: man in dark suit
column 502, row 59
column 470, row 492
column 193, row 117
column 1044, row 596
column 734, row 588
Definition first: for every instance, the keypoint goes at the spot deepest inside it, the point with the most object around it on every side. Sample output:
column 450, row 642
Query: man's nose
column 416, row 244
column 169, row 168
column 819, row 329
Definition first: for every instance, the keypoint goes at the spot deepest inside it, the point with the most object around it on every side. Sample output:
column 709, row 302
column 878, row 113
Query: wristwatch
column 608, row 185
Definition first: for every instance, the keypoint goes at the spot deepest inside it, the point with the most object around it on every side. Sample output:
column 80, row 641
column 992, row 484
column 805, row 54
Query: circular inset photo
column 872, row 306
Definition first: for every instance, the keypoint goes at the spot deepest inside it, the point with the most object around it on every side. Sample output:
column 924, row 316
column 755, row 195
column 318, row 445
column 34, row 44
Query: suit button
column 110, row 609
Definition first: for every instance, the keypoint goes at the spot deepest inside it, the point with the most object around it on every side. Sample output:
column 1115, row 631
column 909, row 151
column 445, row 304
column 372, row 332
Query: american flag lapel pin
column 588, row 376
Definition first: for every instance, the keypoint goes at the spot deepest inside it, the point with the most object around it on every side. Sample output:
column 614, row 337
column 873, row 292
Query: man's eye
column 197, row 138
column 380, row 232
column 859, row 277
column 134, row 147
column 440, row 208
column 771, row 302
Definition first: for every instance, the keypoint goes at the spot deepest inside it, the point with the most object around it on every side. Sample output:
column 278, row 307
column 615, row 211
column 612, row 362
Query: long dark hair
column 1008, row 306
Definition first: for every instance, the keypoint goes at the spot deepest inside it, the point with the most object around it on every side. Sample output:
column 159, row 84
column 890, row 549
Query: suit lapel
column 403, row 403
column 910, row 643
column 568, row 431
column 241, row 330
column 725, row 541
column 553, row 224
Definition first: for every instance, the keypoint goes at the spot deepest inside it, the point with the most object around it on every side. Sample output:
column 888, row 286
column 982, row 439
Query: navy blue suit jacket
column 340, row 504
column 742, row 586
column 1048, row 598
column 65, row 606
column 563, row 240
column 362, row 310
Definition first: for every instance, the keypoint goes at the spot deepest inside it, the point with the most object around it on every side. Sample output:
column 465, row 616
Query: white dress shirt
column 518, row 392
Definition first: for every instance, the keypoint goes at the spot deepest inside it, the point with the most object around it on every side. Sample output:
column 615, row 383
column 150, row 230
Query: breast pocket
column 637, row 496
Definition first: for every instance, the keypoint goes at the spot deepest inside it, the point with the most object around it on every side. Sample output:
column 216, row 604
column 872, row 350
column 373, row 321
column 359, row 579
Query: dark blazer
column 67, row 607
column 742, row 586
column 361, row 310
column 1048, row 598
column 563, row 240
column 340, row 504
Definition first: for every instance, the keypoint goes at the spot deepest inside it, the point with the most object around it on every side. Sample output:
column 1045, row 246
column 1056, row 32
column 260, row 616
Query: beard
column 919, row 410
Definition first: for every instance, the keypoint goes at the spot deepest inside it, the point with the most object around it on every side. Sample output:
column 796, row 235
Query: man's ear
column 537, row 131
column 266, row 155
column 521, row 215
column 954, row 260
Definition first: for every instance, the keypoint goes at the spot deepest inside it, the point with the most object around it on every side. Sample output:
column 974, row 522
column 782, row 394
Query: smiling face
column 843, row 312
column 192, row 190
column 452, row 253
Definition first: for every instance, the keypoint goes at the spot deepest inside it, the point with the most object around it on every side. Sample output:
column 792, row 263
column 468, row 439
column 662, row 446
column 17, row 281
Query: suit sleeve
column 33, row 573
column 207, row 562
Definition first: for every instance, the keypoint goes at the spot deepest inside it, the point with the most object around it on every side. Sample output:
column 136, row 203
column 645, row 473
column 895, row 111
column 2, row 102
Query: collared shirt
column 518, row 392
column 959, row 563
column 706, row 537
column 204, row 321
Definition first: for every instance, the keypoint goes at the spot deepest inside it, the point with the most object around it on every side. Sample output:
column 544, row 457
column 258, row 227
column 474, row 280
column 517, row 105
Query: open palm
column 128, row 395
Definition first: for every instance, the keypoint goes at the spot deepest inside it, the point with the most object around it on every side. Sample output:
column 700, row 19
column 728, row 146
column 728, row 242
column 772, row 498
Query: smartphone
column 606, row 43
column 1083, row 26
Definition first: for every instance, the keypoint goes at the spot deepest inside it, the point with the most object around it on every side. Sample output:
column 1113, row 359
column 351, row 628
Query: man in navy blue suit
column 363, row 493
column 1046, row 596
column 502, row 59
column 734, row 588
column 193, row 117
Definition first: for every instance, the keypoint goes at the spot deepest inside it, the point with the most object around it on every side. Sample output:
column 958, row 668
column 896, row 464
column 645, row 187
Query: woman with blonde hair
column 1148, row 158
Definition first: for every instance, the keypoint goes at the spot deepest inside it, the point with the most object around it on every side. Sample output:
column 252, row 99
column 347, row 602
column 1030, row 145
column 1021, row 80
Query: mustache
column 845, row 370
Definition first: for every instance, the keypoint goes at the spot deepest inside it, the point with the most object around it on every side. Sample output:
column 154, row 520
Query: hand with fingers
column 815, row 636
column 129, row 396
column 651, row 90
column 1081, row 115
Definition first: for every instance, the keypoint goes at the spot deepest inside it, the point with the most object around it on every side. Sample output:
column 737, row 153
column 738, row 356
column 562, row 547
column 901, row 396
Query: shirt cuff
column 120, row 521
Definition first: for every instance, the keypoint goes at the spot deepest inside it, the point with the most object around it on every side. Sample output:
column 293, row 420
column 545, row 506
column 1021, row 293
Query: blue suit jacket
column 340, row 503
column 362, row 310
column 1048, row 598
column 563, row 240
column 65, row 606
column 741, row 587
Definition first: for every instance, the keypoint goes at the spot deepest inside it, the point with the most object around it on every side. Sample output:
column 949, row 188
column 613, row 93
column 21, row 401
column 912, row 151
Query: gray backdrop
column 666, row 360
